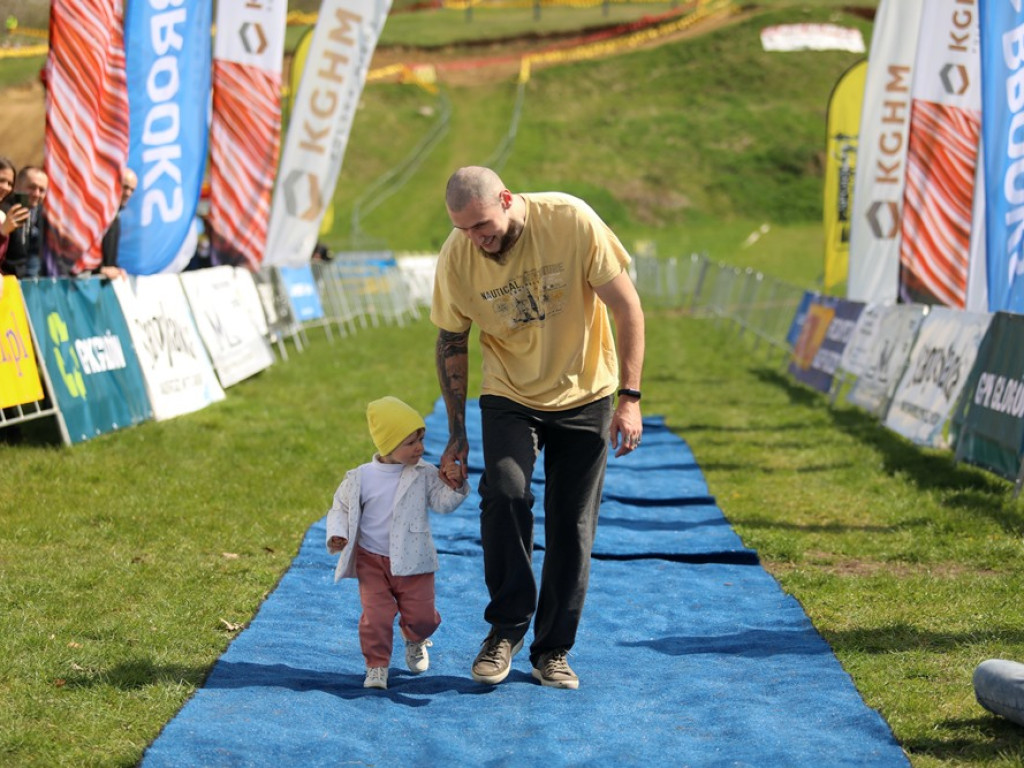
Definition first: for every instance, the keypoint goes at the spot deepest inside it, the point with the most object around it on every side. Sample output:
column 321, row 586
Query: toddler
column 379, row 524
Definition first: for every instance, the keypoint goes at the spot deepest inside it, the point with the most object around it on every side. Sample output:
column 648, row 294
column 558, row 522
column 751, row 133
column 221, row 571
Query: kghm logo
column 884, row 219
column 254, row 39
column 64, row 352
column 302, row 196
column 955, row 79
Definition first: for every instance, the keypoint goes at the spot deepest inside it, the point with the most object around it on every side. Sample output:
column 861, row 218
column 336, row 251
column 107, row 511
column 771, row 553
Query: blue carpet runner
column 689, row 654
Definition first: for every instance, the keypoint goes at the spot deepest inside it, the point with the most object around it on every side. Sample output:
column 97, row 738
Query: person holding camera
column 12, row 215
column 27, row 233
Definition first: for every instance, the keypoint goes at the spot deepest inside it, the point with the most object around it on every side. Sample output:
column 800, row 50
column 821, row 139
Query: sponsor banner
column 19, row 377
column 812, row 37
column 940, row 362
column 874, row 252
column 797, row 325
column 879, row 351
column 245, row 127
column 174, row 362
column 842, row 126
column 223, row 317
column 168, row 48
column 302, row 292
column 988, row 424
column 1002, row 57
column 942, row 155
column 86, row 128
column 87, row 349
column 825, row 333
column 325, row 105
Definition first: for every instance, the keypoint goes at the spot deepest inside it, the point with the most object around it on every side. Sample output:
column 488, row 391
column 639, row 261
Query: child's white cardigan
column 411, row 545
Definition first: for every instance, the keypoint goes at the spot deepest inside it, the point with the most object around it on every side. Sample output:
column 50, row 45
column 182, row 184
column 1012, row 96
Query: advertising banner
column 176, row 368
column 940, row 362
column 824, row 335
column 169, row 50
column 332, row 82
column 987, row 427
column 879, row 352
column 302, row 293
column 1002, row 56
column 880, row 176
column 942, row 155
column 842, row 126
column 19, row 377
column 222, row 313
column 245, row 128
column 799, row 317
column 86, row 128
column 87, row 349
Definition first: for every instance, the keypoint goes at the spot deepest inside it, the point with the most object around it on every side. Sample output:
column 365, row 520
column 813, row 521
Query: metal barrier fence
column 758, row 304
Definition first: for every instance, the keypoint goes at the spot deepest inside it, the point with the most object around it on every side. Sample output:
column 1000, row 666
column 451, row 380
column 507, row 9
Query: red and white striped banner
column 86, row 127
column 246, row 126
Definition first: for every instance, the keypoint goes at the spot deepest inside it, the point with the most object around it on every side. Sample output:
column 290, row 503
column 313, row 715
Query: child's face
column 410, row 450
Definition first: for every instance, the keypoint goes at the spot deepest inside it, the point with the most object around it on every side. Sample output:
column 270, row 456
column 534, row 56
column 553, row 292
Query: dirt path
column 23, row 124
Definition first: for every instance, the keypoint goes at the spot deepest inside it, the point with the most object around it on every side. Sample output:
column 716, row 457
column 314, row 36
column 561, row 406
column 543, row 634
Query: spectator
column 109, row 267
column 25, row 246
column 12, row 214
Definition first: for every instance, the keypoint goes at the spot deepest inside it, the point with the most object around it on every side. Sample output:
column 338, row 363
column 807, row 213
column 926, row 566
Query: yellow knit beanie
column 391, row 421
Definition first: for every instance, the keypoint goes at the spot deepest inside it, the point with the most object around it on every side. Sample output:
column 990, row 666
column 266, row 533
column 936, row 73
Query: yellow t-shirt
column 545, row 336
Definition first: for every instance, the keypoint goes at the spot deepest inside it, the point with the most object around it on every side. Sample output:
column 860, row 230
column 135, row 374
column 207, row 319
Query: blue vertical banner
column 87, row 349
column 168, row 49
column 1002, row 96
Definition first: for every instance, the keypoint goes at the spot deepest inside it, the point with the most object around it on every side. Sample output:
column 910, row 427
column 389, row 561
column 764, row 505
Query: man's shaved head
column 472, row 184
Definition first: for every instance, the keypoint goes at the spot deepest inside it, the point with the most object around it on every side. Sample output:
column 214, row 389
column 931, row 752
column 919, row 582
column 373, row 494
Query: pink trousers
column 384, row 596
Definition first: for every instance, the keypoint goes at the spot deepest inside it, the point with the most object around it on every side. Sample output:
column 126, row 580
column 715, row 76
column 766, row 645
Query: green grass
column 123, row 574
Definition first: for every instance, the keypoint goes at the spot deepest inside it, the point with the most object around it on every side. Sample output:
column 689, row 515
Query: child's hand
column 453, row 472
column 336, row 543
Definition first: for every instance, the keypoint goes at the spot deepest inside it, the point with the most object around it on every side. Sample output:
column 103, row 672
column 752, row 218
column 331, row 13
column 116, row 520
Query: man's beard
column 507, row 241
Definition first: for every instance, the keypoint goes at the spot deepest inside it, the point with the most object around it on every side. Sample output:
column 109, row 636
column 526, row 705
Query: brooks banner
column 19, row 377
column 87, row 349
column 168, row 49
column 878, row 353
column 942, row 157
column 246, row 126
column 842, row 125
column 86, row 128
column 332, row 81
column 940, row 362
column 174, row 362
column 988, row 424
column 1002, row 79
column 882, row 153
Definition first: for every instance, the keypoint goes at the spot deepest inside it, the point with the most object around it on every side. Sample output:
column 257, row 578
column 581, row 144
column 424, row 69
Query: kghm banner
column 246, row 127
column 1002, row 78
column 169, row 49
column 988, row 424
column 86, row 128
column 19, row 377
column 332, row 81
column 842, row 125
column 942, row 155
column 874, row 251
column 87, row 349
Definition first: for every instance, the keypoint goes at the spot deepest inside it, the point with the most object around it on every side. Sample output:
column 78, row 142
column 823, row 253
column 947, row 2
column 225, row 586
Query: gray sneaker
column 554, row 671
column 494, row 661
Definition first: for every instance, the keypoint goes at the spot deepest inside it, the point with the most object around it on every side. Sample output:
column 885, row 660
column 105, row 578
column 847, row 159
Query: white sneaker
column 416, row 656
column 376, row 677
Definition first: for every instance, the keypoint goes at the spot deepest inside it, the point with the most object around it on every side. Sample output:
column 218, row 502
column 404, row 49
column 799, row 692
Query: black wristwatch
column 630, row 392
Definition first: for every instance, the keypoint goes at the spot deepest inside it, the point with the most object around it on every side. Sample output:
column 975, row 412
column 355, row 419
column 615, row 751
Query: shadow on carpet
column 689, row 654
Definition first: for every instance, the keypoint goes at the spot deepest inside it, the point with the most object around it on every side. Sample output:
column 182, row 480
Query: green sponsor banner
column 987, row 426
column 87, row 349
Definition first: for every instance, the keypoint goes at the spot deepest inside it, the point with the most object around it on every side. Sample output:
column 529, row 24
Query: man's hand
column 453, row 462
column 627, row 426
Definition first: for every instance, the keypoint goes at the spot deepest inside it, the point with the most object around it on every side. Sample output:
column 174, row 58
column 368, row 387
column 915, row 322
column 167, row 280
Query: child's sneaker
column 376, row 677
column 416, row 656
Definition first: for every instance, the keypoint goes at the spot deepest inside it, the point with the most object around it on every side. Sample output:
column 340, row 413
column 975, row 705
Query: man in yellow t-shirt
column 539, row 274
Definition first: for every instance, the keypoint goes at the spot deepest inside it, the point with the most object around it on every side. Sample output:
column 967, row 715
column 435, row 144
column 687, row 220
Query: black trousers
column 575, row 445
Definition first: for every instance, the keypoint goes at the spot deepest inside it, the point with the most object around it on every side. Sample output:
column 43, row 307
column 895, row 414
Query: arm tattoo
column 452, row 353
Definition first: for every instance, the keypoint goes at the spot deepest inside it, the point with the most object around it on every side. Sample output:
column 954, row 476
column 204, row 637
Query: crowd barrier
column 942, row 378
column 101, row 355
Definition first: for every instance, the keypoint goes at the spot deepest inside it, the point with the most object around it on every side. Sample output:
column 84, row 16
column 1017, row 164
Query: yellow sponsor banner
column 19, row 376
column 842, row 130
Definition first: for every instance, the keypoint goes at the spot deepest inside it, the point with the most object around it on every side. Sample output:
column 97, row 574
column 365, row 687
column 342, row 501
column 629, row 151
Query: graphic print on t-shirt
column 529, row 299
